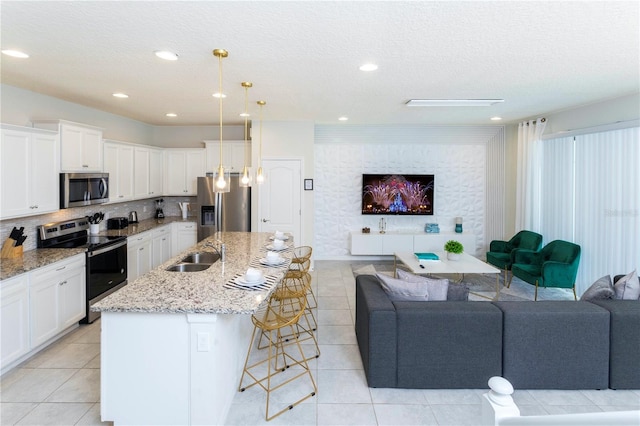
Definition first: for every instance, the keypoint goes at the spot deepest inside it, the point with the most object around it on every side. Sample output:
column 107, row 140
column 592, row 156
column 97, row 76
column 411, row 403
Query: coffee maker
column 159, row 206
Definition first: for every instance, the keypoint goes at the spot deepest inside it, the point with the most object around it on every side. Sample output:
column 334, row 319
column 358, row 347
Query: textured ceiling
column 303, row 57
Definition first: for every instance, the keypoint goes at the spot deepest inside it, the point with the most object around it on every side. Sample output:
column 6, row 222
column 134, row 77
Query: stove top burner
column 73, row 234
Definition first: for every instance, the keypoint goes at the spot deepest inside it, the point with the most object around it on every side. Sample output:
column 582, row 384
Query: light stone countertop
column 34, row 259
column 161, row 291
column 38, row 258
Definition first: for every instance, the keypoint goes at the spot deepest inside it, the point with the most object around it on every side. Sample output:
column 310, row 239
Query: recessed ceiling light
column 15, row 53
column 496, row 118
column 120, row 95
column 343, row 118
column 368, row 67
column 165, row 54
column 217, row 95
column 452, row 102
column 171, row 114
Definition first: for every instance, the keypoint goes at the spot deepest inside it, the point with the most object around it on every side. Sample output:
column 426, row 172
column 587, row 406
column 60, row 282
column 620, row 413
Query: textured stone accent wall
column 459, row 189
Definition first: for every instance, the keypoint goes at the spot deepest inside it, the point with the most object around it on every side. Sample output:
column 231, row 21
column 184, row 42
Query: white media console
column 388, row 243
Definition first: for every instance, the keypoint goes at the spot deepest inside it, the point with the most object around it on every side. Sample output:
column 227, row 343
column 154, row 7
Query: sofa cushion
column 555, row 345
column 448, row 345
column 602, row 289
column 624, row 347
column 436, row 288
column 628, row 287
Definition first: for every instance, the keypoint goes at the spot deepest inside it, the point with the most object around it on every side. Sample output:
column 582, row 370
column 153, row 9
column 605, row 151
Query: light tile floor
column 61, row 385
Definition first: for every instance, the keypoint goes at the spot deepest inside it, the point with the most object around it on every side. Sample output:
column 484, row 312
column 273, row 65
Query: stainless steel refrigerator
column 228, row 211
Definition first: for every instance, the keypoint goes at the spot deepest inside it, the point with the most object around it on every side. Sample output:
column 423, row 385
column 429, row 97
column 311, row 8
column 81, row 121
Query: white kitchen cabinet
column 181, row 170
column 118, row 162
column 186, row 235
column 161, row 245
column 29, row 163
column 232, row 152
column 141, row 173
column 57, row 296
column 139, row 255
column 155, row 172
column 14, row 318
column 80, row 145
column 147, row 172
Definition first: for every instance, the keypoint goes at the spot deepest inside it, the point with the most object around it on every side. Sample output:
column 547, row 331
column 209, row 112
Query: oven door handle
column 106, row 249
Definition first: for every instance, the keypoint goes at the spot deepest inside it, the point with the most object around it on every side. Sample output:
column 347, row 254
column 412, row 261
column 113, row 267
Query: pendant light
column 260, row 174
column 245, row 178
column 221, row 178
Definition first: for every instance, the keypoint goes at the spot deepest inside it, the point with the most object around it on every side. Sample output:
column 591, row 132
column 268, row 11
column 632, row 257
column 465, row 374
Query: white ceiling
column 303, row 57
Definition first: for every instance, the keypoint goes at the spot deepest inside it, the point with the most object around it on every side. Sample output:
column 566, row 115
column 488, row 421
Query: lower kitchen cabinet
column 161, row 245
column 186, row 235
column 14, row 318
column 57, row 298
column 139, row 255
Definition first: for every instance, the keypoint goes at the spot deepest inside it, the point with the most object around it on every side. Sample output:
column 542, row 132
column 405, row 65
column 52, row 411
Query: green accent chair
column 555, row 265
column 500, row 252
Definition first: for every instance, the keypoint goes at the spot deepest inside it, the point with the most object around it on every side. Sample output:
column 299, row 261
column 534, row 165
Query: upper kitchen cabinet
column 181, row 170
column 232, row 152
column 29, row 167
column 118, row 162
column 147, row 172
column 80, row 145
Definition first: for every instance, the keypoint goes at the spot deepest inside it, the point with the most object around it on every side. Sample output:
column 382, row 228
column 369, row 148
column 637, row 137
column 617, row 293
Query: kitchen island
column 173, row 343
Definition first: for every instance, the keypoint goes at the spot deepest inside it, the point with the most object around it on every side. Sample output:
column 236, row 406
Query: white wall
column 192, row 136
column 20, row 107
column 286, row 140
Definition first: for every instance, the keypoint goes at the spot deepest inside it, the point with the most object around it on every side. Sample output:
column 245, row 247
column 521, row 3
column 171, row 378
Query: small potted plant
column 454, row 249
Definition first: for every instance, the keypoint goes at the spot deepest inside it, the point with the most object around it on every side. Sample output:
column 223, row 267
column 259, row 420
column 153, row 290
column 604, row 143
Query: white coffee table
column 467, row 264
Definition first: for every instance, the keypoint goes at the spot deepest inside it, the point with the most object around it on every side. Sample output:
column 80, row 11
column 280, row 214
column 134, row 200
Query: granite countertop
column 37, row 258
column 161, row 291
column 34, row 259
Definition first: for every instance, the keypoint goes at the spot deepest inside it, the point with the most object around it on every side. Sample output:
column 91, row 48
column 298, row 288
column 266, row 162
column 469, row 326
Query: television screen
column 399, row 194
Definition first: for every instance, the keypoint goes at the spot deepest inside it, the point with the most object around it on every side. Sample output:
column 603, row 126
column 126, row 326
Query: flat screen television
column 398, row 194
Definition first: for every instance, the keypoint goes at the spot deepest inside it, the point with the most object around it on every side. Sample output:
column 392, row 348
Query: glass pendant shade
column 260, row 175
column 222, row 180
column 245, row 177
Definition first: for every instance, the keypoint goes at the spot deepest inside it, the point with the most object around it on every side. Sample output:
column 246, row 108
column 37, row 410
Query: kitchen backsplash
column 30, row 223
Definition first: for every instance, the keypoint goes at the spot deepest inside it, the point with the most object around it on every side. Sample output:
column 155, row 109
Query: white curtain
column 528, row 174
column 590, row 195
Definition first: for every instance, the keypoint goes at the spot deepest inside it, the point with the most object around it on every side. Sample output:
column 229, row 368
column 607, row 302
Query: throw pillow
column 437, row 288
column 600, row 290
column 399, row 290
column 458, row 292
column 628, row 287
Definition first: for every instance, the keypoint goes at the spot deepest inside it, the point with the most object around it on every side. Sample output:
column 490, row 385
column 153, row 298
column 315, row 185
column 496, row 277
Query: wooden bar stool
column 284, row 362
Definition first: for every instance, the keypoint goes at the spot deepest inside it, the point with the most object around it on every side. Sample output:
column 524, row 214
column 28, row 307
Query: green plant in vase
column 454, row 249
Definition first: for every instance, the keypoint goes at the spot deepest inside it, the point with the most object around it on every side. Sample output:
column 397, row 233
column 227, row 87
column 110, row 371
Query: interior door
column 280, row 198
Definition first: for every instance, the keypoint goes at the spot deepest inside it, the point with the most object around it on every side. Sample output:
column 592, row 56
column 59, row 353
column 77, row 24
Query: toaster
column 117, row 223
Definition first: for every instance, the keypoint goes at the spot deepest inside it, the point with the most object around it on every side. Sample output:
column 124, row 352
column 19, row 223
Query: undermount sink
column 188, row 267
column 201, row 257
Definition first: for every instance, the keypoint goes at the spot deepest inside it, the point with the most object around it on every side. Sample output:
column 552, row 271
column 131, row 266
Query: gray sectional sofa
column 535, row 345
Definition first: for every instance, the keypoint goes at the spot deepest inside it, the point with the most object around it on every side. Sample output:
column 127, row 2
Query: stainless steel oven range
column 106, row 258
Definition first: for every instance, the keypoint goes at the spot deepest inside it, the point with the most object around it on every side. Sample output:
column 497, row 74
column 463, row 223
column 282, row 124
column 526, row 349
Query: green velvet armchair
column 555, row 265
column 500, row 252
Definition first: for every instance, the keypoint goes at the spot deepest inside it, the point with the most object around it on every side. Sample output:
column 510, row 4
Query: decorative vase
column 458, row 225
column 453, row 256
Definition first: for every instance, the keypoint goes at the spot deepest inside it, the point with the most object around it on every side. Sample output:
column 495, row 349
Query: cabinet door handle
column 62, row 283
column 85, row 165
column 61, row 268
column 141, row 248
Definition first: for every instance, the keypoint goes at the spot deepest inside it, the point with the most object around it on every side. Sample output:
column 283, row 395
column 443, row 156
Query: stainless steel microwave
column 83, row 189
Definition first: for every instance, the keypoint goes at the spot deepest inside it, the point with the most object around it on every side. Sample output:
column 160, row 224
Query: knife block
column 9, row 251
